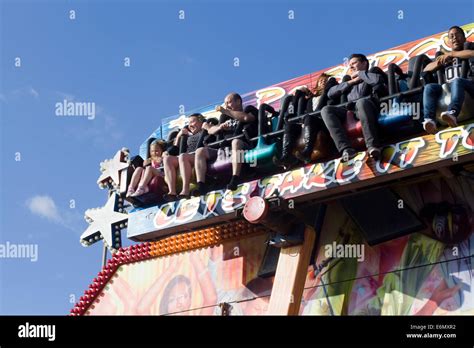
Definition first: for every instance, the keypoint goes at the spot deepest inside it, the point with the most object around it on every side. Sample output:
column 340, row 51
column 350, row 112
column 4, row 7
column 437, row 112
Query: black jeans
column 365, row 110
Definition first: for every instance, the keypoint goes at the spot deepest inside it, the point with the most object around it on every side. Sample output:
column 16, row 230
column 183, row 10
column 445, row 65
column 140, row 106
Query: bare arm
column 441, row 293
column 434, row 65
column 182, row 132
column 464, row 54
column 127, row 295
column 237, row 115
column 211, row 130
column 149, row 298
column 215, row 129
column 206, row 284
column 241, row 116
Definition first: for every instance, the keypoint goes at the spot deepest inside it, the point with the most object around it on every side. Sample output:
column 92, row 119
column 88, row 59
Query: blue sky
column 173, row 62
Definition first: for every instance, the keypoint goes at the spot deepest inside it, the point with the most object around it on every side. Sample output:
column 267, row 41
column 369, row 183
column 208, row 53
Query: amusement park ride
column 285, row 242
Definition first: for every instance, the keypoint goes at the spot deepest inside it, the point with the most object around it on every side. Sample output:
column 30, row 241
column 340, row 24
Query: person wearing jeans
column 459, row 85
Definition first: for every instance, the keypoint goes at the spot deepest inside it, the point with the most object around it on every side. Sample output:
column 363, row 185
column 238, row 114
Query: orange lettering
column 449, row 140
column 388, row 154
column 468, row 139
column 409, row 150
column 269, row 95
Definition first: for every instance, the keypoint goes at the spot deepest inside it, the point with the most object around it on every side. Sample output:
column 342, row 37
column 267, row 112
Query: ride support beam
column 290, row 276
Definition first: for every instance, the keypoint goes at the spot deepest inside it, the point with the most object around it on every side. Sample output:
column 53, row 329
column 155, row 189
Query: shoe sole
column 430, row 128
column 450, row 120
column 375, row 154
column 348, row 158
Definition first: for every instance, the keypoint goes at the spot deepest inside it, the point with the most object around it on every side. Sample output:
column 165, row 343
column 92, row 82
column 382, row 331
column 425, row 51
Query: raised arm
column 150, row 296
column 127, row 295
column 182, row 132
column 435, row 65
column 206, row 284
column 216, row 129
column 464, row 54
column 441, row 293
column 237, row 115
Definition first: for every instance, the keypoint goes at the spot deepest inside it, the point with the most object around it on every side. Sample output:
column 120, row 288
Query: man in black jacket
column 232, row 122
column 361, row 85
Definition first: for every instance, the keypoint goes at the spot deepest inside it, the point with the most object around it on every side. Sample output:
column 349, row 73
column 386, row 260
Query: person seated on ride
column 359, row 90
column 185, row 160
column 232, row 121
column 314, row 100
column 153, row 166
column 432, row 91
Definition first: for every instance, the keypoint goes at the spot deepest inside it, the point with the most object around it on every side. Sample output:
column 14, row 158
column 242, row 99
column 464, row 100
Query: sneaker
column 374, row 152
column 430, row 126
column 348, row 154
column 450, row 118
column 141, row 191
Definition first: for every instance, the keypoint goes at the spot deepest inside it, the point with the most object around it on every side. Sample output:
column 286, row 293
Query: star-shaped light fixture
column 111, row 169
column 106, row 223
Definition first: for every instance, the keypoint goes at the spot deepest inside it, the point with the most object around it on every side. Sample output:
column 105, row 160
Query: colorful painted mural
column 191, row 283
column 425, row 273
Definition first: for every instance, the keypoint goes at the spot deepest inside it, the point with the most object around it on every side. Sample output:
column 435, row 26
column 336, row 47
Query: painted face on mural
column 180, row 298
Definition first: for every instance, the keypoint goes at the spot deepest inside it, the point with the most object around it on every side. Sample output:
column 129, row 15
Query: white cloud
column 34, row 93
column 23, row 92
column 45, row 207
